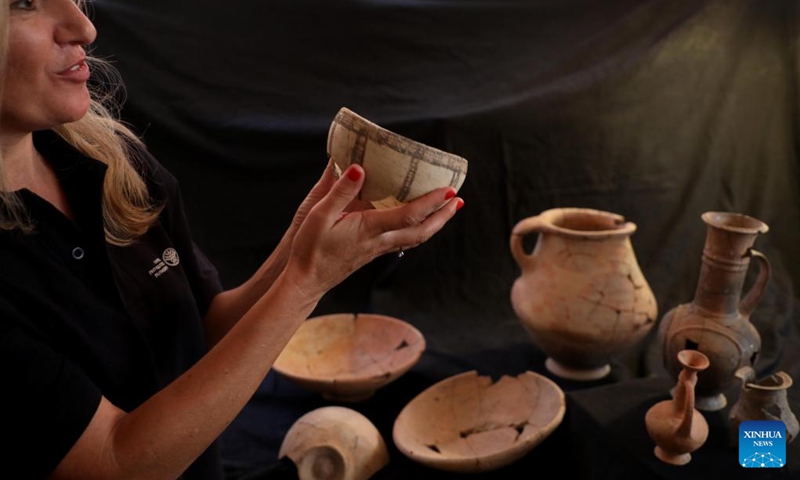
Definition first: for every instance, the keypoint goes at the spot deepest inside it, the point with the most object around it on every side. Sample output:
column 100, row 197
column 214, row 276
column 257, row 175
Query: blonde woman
column 122, row 355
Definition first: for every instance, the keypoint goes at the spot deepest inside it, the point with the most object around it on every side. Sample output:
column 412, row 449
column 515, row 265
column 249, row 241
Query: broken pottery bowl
column 398, row 169
column 346, row 357
column 468, row 423
column 334, row 443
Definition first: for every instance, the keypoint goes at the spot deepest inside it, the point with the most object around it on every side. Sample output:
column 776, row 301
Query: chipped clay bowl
column 334, row 443
column 467, row 423
column 398, row 169
column 346, row 357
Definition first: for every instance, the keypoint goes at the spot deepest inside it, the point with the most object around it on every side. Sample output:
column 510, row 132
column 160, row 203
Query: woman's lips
column 76, row 73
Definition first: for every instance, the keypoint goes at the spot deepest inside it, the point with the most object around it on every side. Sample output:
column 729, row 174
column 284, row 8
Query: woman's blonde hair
column 128, row 210
column 10, row 208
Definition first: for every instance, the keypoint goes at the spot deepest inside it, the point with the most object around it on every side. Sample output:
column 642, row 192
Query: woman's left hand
column 317, row 193
column 333, row 242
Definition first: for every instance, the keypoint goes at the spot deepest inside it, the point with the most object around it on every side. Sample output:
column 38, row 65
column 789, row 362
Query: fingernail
column 459, row 204
column 354, row 173
column 450, row 194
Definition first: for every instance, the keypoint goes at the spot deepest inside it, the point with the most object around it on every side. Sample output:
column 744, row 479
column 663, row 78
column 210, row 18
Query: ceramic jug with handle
column 581, row 293
column 717, row 321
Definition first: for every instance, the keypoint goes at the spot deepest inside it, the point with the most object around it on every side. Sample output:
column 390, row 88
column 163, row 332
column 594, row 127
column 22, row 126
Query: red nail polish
column 354, row 174
column 450, row 194
column 459, row 204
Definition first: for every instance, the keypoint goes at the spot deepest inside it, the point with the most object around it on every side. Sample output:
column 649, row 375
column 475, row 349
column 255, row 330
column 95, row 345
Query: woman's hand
column 228, row 307
column 332, row 243
column 317, row 193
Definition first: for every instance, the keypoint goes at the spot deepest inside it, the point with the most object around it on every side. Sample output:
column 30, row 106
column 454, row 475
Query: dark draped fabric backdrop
column 658, row 110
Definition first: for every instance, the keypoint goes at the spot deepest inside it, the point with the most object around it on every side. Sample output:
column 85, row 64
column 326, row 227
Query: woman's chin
column 74, row 110
column 74, row 119
column 71, row 115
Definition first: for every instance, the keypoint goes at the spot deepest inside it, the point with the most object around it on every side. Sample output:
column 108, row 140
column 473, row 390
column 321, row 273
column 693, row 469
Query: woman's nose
column 74, row 26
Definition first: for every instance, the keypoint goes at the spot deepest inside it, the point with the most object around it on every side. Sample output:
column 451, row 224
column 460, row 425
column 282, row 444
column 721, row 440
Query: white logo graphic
column 160, row 265
column 170, row 257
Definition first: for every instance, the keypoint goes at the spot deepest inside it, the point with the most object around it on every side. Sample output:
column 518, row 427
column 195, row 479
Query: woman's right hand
column 332, row 243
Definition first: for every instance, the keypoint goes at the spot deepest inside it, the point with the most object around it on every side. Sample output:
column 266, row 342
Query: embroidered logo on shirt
column 170, row 257
column 160, row 265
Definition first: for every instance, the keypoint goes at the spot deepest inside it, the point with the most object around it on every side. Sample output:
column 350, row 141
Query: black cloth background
column 657, row 110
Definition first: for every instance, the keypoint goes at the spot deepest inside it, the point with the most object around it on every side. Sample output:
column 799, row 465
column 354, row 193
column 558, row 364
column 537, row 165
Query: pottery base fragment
column 570, row 373
column 672, row 458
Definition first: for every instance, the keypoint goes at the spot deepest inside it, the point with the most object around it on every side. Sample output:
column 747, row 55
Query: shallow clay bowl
column 347, row 357
column 467, row 423
column 398, row 169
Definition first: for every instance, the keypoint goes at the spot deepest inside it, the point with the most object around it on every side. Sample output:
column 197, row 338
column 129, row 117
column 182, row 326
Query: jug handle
column 749, row 302
column 522, row 228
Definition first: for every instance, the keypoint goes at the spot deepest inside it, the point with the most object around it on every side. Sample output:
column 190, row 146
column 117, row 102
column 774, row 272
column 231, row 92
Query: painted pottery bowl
column 334, row 443
column 398, row 169
column 467, row 423
column 347, row 357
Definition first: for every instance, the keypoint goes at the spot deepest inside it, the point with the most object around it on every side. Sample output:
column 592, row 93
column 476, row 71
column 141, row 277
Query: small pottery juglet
column 764, row 399
column 467, row 423
column 717, row 321
column 398, row 169
column 581, row 294
column 348, row 357
column 676, row 427
column 334, row 443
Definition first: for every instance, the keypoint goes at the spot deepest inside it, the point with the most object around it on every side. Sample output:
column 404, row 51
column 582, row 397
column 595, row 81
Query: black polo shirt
column 80, row 318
